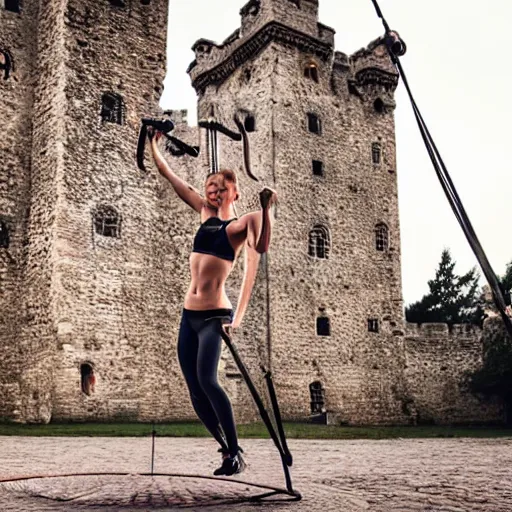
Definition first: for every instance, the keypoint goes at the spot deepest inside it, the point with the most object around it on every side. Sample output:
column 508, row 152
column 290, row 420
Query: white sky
column 457, row 64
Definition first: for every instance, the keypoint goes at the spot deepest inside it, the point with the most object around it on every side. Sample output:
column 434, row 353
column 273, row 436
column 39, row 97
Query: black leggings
column 199, row 347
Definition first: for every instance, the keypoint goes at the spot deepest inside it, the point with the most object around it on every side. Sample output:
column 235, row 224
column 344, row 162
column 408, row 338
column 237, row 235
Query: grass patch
column 253, row 430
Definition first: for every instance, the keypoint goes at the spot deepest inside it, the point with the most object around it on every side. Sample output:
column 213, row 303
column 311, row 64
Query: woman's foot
column 231, row 465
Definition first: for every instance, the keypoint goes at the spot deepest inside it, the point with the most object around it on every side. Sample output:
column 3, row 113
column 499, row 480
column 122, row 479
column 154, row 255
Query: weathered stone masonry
column 94, row 255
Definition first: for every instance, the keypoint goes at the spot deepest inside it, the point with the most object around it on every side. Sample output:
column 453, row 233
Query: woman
column 207, row 308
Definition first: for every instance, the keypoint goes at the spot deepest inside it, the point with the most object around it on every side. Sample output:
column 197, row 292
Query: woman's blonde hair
column 230, row 176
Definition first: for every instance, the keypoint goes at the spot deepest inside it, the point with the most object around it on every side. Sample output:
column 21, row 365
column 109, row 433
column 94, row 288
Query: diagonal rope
column 396, row 48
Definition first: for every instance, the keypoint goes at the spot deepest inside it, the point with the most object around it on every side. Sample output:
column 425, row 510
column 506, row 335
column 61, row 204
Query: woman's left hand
column 228, row 328
column 267, row 197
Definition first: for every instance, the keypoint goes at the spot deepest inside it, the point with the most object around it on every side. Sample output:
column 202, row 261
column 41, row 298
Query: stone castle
column 94, row 254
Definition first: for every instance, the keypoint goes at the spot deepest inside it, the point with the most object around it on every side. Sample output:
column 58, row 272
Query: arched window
column 314, row 124
column 249, row 123
column 381, row 237
column 379, row 106
column 317, row 395
column 376, row 153
column 112, row 108
column 311, row 71
column 107, row 222
column 11, row 5
column 4, row 235
column 323, row 326
column 145, row 2
column 319, row 242
column 87, row 379
column 6, row 63
column 118, row 3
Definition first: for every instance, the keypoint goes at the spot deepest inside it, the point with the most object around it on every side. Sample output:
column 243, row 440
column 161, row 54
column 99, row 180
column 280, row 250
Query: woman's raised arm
column 185, row 191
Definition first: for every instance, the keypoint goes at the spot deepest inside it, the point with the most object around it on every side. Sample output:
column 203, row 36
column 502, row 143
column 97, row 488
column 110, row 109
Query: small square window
column 323, row 326
column 373, row 325
column 250, row 124
column 318, row 168
column 11, row 5
column 314, row 124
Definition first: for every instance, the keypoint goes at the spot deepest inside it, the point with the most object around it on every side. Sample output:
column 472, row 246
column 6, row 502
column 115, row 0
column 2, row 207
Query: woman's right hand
column 154, row 135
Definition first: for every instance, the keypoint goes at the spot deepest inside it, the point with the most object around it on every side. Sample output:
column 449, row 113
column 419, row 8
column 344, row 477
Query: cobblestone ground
column 445, row 475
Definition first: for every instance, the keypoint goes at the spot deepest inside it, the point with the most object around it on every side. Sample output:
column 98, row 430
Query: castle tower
column 18, row 40
column 323, row 136
column 85, row 260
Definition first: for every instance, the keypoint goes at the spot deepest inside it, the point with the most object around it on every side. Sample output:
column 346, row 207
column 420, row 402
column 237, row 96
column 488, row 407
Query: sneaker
column 231, row 466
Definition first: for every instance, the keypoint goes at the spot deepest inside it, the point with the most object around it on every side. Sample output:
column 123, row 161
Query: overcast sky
column 457, row 64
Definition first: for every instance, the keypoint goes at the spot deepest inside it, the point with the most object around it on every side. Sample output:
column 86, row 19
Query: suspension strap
column 212, row 127
column 396, row 48
column 284, row 453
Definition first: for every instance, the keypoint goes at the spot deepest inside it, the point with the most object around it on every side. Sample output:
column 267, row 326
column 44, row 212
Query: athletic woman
column 207, row 308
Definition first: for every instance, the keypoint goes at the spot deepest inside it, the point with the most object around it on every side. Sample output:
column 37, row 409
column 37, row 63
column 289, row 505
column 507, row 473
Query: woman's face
column 216, row 190
column 220, row 191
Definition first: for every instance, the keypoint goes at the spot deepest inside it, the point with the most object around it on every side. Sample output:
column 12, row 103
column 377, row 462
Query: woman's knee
column 209, row 384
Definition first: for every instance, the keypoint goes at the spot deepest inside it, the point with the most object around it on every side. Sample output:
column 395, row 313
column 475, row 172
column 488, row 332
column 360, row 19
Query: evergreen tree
column 506, row 288
column 452, row 298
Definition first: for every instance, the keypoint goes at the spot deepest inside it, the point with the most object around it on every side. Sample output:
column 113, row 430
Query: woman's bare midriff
column 207, row 286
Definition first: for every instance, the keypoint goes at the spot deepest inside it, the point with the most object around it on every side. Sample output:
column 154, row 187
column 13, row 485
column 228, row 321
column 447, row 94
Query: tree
column 505, row 282
column 494, row 379
column 452, row 299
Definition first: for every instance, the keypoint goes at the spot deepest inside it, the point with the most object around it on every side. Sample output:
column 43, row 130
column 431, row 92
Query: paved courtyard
column 443, row 475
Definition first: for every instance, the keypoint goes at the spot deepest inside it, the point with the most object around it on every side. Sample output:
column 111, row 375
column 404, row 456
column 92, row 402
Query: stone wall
column 116, row 294
column 81, row 289
column 437, row 358
column 361, row 371
column 18, row 42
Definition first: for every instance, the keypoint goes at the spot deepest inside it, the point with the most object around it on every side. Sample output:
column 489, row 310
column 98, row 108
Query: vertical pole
column 153, row 436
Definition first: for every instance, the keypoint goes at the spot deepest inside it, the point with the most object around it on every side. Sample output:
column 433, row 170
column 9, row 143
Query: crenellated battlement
column 288, row 22
column 436, row 330
column 369, row 72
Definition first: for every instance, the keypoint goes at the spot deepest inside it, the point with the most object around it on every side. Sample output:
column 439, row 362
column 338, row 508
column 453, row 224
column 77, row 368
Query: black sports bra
column 211, row 238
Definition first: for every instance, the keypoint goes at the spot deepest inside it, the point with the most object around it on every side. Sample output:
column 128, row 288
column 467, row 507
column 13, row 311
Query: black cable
column 445, row 179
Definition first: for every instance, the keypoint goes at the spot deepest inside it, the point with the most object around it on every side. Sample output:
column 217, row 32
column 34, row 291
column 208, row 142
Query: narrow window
column 373, row 325
column 381, row 237
column 6, row 64
column 314, row 124
column 4, row 235
column 107, row 222
column 112, row 108
column 376, row 153
column 319, row 242
column 249, row 123
column 311, row 71
column 318, row 168
column 145, row 2
column 317, row 395
column 87, row 379
column 12, row 5
column 118, row 3
column 323, row 326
